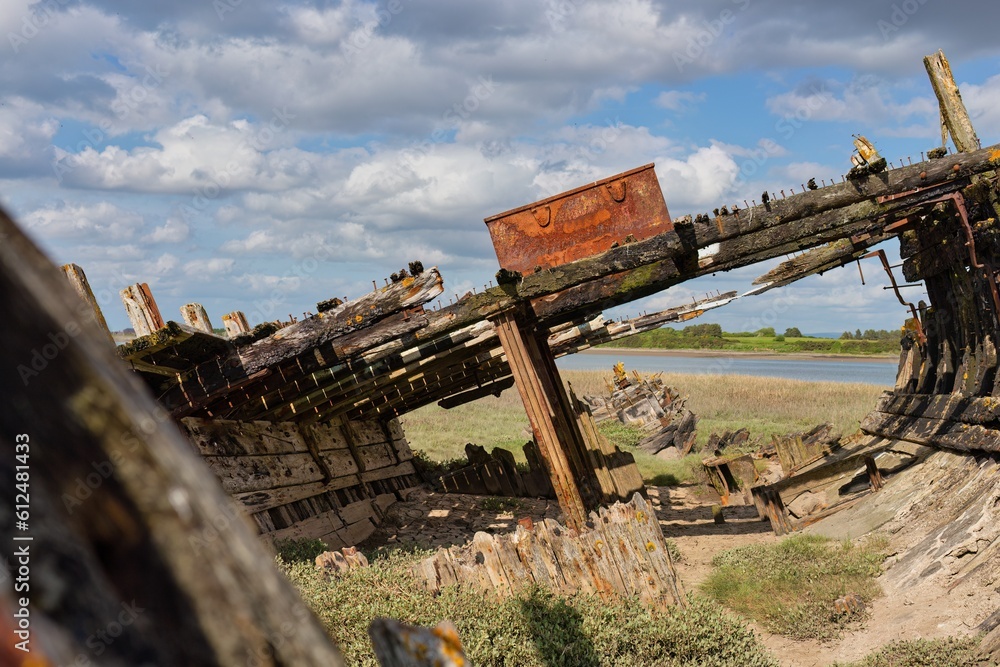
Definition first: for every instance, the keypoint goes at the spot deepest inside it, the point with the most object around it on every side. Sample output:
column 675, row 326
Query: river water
column 881, row 372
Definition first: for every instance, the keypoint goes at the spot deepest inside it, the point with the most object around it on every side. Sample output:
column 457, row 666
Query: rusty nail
column 823, row 180
column 374, row 285
column 909, row 160
column 921, row 156
column 782, row 193
column 745, row 204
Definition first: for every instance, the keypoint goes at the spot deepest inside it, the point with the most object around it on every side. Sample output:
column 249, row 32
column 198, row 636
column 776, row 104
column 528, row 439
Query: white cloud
column 209, row 268
column 101, row 221
column 172, row 231
column 677, row 100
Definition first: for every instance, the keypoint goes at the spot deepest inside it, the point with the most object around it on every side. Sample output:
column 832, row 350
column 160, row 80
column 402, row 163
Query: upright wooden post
column 78, row 279
column 142, row 310
column 195, row 316
column 235, row 323
column 954, row 115
column 555, row 431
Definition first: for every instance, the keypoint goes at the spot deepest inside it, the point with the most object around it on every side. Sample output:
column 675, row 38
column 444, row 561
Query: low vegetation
column 535, row 629
column 721, row 402
column 712, row 337
column 948, row 652
column 790, row 587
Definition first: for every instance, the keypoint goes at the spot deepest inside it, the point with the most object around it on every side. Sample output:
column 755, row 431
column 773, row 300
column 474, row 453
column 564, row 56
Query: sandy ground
column 646, row 352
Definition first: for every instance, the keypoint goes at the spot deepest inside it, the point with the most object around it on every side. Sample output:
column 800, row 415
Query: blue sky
column 266, row 156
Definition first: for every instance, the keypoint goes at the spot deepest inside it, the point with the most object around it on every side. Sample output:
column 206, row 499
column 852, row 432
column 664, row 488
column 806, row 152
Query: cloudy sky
column 264, row 156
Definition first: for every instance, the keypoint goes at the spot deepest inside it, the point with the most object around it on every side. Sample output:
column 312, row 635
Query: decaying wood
column 620, row 552
column 954, row 115
column 142, row 310
column 195, row 317
column 124, row 543
column 940, row 433
column 400, row 645
column 78, row 279
column 236, row 324
column 538, row 384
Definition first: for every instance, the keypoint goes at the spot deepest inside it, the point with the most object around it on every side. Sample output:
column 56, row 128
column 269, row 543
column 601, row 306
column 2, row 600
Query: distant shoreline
column 714, row 354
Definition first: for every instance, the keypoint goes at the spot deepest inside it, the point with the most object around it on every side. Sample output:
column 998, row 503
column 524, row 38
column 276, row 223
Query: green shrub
column 534, row 629
column 623, row 436
column 429, row 470
column 790, row 587
column 299, row 551
column 948, row 652
column 494, row 504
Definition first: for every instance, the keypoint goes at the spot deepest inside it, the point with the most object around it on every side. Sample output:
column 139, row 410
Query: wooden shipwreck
column 299, row 421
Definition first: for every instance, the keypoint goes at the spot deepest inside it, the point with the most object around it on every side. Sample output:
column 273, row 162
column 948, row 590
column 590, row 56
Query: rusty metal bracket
column 895, row 288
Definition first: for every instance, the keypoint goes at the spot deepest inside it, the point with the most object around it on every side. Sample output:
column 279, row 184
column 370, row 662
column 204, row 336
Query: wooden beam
column 195, row 317
column 142, row 310
column 537, row 387
column 78, row 279
column 954, row 115
column 235, row 323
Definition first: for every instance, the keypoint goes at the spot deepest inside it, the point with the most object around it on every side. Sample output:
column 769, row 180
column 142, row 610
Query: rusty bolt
column 923, row 175
column 956, row 168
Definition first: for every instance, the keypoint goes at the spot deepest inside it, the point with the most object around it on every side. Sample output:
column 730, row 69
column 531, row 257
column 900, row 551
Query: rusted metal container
column 580, row 223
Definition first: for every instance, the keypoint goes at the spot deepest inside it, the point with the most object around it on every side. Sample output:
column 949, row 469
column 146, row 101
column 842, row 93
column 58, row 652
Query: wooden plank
column 310, row 528
column 327, row 435
column 356, row 533
column 357, row 511
column 239, row 474
column 368, row 432
column 258, row 501
column 340, row 463
column 935, row 432
column 953, row 407
column 221, row 437
column 377, row 456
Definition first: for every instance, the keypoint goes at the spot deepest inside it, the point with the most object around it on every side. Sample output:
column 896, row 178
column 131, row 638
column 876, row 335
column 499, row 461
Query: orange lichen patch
column 995, row 155
column 650, row 546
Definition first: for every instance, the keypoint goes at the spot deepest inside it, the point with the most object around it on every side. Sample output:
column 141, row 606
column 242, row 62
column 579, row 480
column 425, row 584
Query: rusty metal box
column 580, row 223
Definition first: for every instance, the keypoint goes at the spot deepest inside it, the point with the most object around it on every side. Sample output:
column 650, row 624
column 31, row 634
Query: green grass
column 948, row 652
column 535, row 629
column 790, row 587
column 721, row 402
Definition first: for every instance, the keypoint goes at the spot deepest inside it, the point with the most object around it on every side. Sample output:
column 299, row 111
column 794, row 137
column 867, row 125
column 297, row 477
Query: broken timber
column 127, row 543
